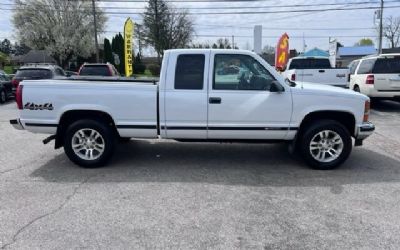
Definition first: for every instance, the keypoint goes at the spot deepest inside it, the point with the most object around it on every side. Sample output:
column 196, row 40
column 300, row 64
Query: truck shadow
column 225, row 164
column 386, row 106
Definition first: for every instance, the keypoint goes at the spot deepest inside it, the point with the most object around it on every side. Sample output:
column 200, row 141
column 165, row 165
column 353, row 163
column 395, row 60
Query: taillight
column 18, row 96
column 110, row 71
column 367, row 108
column 15, row 83
column 370, row 79
column 79, row 71
column 293, row 77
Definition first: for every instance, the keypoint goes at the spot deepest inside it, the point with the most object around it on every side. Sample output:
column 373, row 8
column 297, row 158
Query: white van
column 377, row 76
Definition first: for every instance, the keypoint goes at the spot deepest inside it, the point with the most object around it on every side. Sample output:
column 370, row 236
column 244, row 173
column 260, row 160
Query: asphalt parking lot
column 199, row 196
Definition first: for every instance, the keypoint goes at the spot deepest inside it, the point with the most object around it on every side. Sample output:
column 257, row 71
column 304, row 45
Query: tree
column 138, row 66
column 391, row 31
column 118, row 49
column 223, row 43
column 165, row 28
column 64, row 28
column 21, row 49
column 5, row 46
column 268, row 49
column 108, row 56
column 364, row 42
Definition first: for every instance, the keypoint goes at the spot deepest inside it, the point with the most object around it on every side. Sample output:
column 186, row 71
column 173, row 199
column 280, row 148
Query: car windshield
column 34, row 73
column 95, row 70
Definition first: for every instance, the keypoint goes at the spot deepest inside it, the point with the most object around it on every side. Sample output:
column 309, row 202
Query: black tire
column 357, row 89
column 107, row 138
column 3, row 96
column 311, row 132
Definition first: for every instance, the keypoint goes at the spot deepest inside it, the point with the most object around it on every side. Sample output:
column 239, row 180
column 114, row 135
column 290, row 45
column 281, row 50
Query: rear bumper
column 387, row 94
column 364, row 130
column 16, row 123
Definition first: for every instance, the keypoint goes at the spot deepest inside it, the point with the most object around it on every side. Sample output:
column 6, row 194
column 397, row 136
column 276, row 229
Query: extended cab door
column 240, row 103
column 184, row 94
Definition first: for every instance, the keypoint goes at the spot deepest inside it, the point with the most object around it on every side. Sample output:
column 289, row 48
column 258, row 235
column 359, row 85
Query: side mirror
column 276, row 87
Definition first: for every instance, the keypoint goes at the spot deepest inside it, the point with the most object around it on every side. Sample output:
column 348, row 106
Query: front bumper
column 364, row 130
column 16, row 123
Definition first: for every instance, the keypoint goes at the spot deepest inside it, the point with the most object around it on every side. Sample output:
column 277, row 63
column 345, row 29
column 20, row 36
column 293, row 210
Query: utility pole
column 95, row 30
column 233, row 42
column 380, row 28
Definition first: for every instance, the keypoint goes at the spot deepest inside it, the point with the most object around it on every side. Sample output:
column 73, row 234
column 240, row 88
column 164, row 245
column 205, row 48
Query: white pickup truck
column 316, row 70
column 203, row 96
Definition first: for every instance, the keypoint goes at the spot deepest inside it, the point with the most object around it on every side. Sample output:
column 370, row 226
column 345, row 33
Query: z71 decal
column 33, row 106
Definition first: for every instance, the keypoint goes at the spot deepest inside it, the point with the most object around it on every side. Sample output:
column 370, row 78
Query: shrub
column 154, row 69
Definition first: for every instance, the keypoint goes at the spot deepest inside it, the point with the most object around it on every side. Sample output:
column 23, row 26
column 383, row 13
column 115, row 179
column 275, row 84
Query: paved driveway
column 199, row 196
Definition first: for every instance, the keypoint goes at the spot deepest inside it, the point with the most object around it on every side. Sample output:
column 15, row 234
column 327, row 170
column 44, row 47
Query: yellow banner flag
column 128, row 46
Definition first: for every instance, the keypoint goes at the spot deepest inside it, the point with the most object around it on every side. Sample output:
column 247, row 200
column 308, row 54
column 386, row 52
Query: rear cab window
column 95, row 70
column 310, row 63
column 189, row 72
column 35, row 73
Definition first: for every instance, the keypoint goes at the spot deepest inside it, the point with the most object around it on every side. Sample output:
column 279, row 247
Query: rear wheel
column 3, row 96
column 89, row 143
column 326, row 144
column 356, row 88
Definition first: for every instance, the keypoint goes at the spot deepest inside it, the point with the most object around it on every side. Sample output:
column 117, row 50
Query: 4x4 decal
column 33, row 106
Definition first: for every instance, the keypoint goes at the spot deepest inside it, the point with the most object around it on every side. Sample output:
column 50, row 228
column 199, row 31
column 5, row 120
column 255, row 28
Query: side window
column 366, row 66
column 189, row 72
column 353, row 67
column 240, row 72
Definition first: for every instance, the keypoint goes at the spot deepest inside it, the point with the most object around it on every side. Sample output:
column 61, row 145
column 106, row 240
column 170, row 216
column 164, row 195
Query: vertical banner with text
column 282, row 52
column 128, row 47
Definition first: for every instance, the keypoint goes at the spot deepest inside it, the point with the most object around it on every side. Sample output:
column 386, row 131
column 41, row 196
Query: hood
column 322, row 89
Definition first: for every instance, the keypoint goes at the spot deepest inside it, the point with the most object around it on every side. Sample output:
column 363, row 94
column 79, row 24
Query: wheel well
column 346, row 119
column 72, row 116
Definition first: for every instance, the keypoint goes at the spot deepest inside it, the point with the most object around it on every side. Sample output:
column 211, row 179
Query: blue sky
column 316, row 26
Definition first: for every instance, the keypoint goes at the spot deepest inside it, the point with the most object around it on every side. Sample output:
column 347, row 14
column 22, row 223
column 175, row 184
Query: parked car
column 70, row 73
column 195, row 101
column 316, row 70
column 5, row 87
column 98, row 69
column 37, row 72
column 377, row 76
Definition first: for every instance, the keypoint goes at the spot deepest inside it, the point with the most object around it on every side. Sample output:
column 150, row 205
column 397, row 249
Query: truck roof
column 222, row 51
column 310, row 57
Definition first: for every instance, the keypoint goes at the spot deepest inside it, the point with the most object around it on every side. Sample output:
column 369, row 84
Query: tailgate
column 324, row 76
column 389, row 82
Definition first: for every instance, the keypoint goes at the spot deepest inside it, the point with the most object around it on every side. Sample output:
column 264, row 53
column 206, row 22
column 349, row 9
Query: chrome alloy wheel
column 326, row 146
column 88, row 144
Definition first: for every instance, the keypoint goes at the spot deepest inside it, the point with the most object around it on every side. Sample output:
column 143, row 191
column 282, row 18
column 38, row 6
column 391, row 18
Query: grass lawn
column 8, row 69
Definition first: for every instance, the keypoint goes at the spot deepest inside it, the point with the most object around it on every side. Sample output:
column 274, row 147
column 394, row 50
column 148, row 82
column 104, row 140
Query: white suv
column 376, row 76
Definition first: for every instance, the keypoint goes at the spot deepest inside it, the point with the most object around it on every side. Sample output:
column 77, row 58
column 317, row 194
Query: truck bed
column 132, row 103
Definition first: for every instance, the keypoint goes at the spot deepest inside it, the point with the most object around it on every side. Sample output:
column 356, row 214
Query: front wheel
column 89, row 143
column 326, row 144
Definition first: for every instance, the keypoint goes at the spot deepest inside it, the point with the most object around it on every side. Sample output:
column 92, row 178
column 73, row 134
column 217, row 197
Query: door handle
column 321, row 71
column 215, row 100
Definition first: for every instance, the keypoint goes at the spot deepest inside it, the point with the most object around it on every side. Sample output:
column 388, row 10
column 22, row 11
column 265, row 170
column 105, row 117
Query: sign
column 128, row 42
column 257, row 39
column 282, row 52
column 332, row 52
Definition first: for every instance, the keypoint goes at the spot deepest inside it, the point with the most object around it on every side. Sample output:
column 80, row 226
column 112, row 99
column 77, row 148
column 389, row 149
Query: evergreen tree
column 108, row 56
